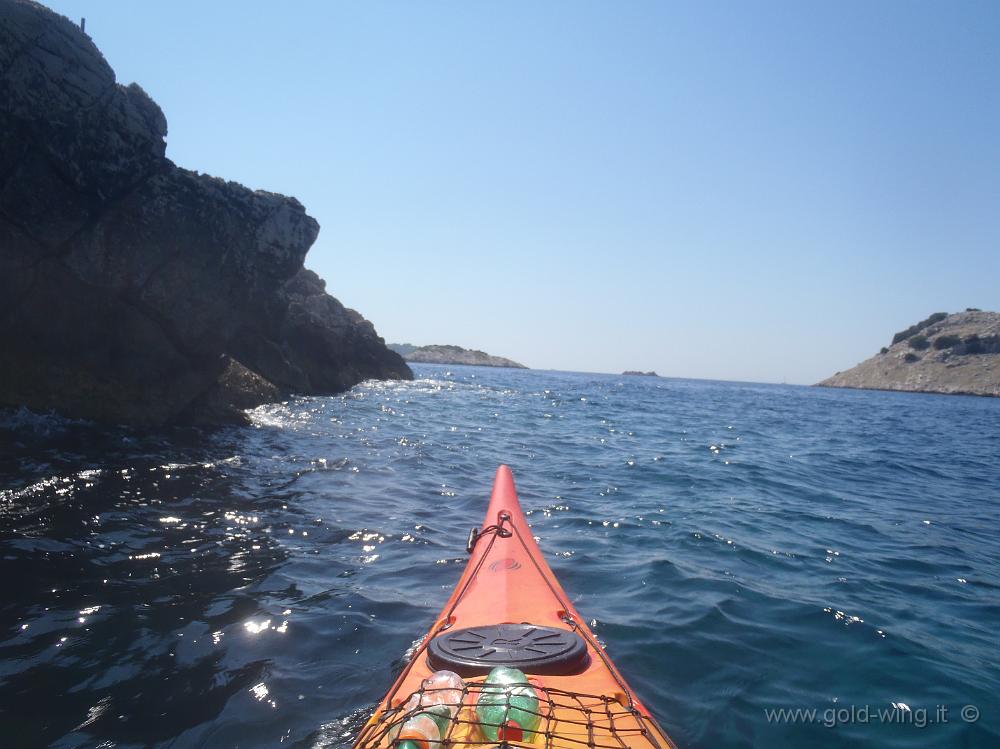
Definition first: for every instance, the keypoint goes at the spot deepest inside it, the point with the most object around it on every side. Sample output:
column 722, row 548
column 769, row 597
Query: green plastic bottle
column 420, row 732
column 507, row 707
column 506, row 675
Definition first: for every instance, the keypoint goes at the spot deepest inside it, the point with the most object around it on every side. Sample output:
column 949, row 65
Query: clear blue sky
column 759, row 191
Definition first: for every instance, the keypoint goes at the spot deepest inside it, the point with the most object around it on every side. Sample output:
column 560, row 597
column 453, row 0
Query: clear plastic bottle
column 439, row 698
column 443, row 688
column 507, row 708
column 406, row 711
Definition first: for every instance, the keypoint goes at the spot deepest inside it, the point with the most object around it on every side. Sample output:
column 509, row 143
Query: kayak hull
column 586, row 702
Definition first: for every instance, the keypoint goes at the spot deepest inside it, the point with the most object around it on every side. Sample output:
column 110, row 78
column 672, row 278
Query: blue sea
column 769, row 565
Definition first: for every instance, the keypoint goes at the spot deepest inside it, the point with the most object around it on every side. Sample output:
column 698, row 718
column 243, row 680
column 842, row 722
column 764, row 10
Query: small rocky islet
column 955, row 353
column 446, row 354
column 136, row 292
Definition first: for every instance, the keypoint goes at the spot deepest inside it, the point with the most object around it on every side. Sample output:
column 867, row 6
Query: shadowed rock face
column 304, row 340
column 134, row 291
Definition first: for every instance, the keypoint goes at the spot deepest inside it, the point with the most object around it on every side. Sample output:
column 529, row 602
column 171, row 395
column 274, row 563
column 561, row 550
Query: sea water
column 768, row 565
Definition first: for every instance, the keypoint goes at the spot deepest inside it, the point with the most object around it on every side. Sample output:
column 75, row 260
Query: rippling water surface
column 739, row 548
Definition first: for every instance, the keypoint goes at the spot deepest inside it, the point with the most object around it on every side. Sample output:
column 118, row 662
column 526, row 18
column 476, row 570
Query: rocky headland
column 451, row 355
column 957, row 353
column 133, row 291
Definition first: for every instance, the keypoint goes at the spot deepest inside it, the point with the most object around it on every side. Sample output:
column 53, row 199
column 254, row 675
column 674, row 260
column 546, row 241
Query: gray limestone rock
column 958, row 353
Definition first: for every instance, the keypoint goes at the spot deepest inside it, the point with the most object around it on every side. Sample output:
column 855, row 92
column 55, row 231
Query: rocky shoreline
column 953, row 354
column 136, row 292
column 451, row 355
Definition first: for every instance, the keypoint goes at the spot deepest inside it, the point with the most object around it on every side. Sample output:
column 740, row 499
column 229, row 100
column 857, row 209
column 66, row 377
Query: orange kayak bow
column 508, row 609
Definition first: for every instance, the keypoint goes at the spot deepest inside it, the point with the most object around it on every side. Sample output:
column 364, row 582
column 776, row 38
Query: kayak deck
column 569, row 720
column 509, row 609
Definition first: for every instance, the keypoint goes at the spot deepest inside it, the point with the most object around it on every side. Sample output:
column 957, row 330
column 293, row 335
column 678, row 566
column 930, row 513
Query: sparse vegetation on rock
column 914, row 329
column 946, row 341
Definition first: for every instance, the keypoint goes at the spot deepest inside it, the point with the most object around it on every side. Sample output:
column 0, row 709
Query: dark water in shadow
column 740, row 548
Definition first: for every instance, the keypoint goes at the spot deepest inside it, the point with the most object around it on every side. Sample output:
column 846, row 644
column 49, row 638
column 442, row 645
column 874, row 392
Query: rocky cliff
column 451, row 355
column 958, row 353
column 133, row 291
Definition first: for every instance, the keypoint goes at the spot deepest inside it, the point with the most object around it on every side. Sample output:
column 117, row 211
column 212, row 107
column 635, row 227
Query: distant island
column 635, row 373
column 451, row 355
column 946, row 353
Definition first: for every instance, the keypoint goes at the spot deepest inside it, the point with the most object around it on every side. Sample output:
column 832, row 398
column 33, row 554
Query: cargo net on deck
column 562, row 720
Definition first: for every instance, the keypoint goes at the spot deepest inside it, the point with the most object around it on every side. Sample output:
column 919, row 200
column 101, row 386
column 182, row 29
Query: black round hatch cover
column 533, row 649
